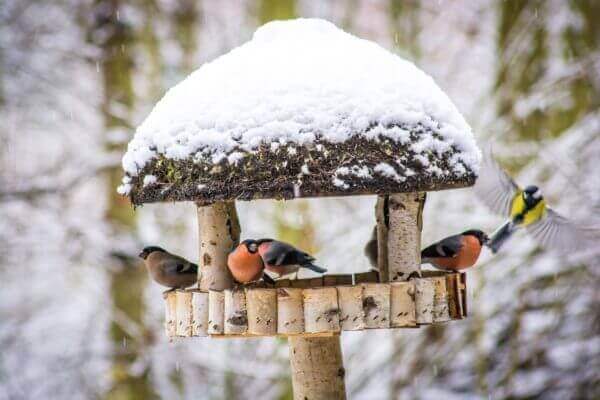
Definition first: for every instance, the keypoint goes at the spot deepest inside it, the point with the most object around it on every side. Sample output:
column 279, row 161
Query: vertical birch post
column 316, row 362
column 399, row 224
column 317, row 368
column 219, row 232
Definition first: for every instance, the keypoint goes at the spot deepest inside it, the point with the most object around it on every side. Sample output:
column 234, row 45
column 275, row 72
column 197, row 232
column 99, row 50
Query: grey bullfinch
column 168, row 269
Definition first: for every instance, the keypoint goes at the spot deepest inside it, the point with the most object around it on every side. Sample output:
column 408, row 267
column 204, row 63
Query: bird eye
column 252, row 247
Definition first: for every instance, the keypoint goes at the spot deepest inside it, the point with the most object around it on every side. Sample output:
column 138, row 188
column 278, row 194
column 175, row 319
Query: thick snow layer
column 294, row 81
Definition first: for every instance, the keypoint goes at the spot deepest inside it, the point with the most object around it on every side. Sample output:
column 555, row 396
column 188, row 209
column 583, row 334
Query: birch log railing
column 317, row 307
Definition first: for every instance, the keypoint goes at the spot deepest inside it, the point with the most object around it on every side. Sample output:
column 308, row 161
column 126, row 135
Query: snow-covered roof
column 302, row 109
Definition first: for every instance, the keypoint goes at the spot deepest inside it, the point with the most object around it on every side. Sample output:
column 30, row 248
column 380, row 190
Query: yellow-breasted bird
column 526, row 208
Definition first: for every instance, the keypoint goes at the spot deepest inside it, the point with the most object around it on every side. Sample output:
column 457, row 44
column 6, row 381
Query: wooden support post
column 376, row 305
column 317, row 368
column 171, row 314
column 321, row 311
column 402, row 234
column 352, row 314
column 441, row 311
column 262, row 311
column 290, row 311
column 219, row 234
column 216, row 312
column 402, row 304
column 199, row 313
column 184, row 313
column 236, row 316
column 424, row 300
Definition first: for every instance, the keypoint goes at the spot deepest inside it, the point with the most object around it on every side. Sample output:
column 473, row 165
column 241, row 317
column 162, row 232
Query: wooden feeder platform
column 323, row 306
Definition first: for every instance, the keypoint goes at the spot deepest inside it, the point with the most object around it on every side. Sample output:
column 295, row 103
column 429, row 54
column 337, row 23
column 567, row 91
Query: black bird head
column 251, row 245
column 480, row 235
column 532, row 195
column 146, row 251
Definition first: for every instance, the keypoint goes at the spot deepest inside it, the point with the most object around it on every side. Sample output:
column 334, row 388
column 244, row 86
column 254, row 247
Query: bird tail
column 313, row 267
column 501, row 235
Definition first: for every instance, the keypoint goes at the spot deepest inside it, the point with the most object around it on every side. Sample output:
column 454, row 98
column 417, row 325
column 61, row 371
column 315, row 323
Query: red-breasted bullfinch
column 284, row 259
column 248, row 261
column 246, row 264
column 455, row 252
column 168, row 269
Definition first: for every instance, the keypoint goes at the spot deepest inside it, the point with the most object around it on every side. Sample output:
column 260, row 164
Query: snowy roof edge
column 357, row 167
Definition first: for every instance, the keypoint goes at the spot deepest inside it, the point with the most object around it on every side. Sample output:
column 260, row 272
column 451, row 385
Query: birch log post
column 216, row 312
column 184, row 313
column 350, row 300
column 199, row 313
column 236, row 315
column 219, row 232
column 441, row 311
column 321, row 311
column 424, row 292
column 317, row 368
column 376, row 305
column 402, row 304
column 403, row 235
column 262, row 311
column 171, row 314
column 290, row 311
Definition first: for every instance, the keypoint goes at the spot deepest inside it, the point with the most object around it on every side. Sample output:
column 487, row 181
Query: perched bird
column 168, row 269
column 246, row 264
column 526, row 208
column 455, row 252
column 283, row 258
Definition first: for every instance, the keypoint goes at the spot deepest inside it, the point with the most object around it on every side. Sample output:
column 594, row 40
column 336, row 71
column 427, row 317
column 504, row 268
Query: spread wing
column 558, row 233
column 447, row 247
column 494, row 187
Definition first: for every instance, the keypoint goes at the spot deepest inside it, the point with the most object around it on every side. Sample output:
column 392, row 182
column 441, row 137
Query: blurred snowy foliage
column 78, row 318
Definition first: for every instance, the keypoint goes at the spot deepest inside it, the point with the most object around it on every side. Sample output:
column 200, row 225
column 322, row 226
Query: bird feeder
column 305, row 110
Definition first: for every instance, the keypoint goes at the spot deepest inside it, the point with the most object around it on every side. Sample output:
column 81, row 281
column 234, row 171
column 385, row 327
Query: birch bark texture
column 317, row 368
column 219, row 233
column 404, row 217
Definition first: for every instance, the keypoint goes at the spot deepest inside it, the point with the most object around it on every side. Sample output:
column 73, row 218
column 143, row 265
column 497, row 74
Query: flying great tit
column 526, row 208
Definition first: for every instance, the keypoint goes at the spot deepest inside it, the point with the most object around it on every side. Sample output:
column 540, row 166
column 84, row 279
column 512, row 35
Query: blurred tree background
column 79, row 318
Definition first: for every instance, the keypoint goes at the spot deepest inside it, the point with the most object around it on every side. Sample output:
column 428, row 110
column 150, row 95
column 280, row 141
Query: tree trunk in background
column 115, row 38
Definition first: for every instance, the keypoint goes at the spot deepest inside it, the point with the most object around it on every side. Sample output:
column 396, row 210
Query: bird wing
column 178, row 265
column 494, row 187
column 556, row 232
column 281, row 253
column 447, row 247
